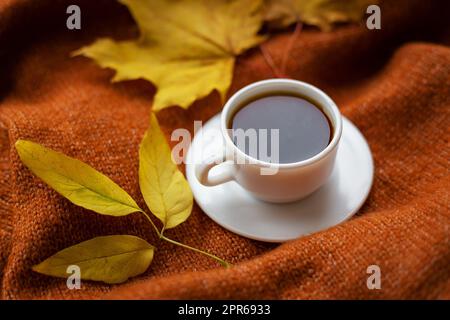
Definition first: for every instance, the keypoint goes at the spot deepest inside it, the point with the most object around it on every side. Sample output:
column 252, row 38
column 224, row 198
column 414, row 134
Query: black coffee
column 304, row 129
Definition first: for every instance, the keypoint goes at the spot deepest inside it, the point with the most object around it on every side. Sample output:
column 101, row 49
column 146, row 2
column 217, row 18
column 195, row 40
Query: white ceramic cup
column 291, row 181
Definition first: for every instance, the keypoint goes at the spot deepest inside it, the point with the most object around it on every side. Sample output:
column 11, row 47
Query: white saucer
column 233, row 208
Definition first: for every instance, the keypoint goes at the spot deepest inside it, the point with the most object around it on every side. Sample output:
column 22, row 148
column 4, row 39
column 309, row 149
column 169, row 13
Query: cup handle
column 202, row 171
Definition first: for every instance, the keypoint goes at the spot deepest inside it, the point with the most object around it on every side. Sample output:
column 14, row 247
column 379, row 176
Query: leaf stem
column 161, row 236
column 152, row 223
column 219, row 260
column 268, row 58
column 281, row 72
column 287, row 52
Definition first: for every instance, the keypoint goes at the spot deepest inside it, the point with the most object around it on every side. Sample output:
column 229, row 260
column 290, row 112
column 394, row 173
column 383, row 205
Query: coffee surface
column 304, row 130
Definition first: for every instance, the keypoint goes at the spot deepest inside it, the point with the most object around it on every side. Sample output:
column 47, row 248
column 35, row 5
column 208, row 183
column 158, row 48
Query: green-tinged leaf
column 165, row 190
column 186, row 49
column 75, row 180
column 111, row 259
column 320, row 13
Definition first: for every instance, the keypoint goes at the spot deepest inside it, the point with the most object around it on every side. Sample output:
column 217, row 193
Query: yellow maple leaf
column 320, row 13
column 186, row 48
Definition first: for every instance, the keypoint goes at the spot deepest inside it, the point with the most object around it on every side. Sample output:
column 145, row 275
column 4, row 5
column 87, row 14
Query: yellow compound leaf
column 75, row 180
column 111, row 259
column 320, row 13
column 165, row 190
column 186, row 48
